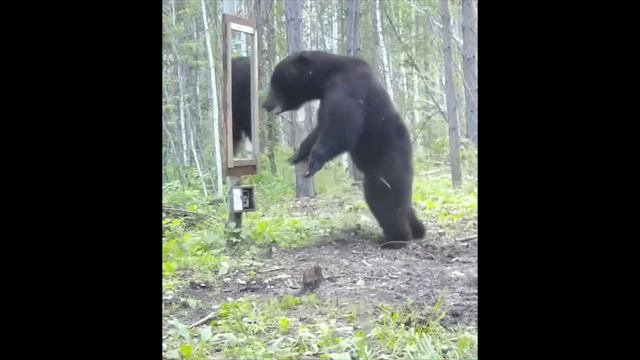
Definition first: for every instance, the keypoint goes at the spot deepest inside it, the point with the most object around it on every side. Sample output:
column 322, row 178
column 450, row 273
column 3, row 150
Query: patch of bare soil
column 357, row 272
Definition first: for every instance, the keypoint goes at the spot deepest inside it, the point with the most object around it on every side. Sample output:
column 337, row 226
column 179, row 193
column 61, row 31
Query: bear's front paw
column 296, row 158
column 308, row 174
column 313, row 168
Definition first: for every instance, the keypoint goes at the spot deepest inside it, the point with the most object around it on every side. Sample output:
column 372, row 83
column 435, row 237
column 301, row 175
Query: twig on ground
column 204, row 319
column 468, row 238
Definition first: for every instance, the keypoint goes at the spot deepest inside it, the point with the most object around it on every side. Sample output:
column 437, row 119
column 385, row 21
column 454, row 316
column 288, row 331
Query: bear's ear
column 303, row 58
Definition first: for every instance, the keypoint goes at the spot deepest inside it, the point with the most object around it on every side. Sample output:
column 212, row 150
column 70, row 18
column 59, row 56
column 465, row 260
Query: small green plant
column 251, row 329
column 283, row 325
column 289, row 302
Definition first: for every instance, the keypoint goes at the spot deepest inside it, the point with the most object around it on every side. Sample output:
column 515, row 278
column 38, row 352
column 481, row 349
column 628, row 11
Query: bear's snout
column 271, row 104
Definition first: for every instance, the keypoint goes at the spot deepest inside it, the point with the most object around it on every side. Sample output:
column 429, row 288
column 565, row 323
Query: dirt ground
column 357, row 272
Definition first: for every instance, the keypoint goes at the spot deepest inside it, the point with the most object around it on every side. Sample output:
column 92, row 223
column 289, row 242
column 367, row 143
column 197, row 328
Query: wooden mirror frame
column 231, row 166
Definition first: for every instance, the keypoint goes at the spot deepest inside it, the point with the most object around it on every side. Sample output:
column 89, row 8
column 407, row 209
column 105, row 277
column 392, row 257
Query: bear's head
column 292, row 83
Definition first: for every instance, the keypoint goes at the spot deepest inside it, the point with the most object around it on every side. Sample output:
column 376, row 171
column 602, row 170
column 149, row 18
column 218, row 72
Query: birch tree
column 266, row 49
column 454, row 141
column 214, row 103
column 304, row 186
column 414, row 80
column 195, row 158
column 381, row 50
column 353, row 49
column 469, row 33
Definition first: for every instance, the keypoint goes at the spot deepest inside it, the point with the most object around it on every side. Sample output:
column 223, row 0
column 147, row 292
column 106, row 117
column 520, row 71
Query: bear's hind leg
column 386, row 205
column 417, row 228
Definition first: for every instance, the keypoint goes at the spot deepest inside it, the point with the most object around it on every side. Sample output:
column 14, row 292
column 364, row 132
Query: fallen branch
column 271, row 270
column 468, row 238
column 430, row 254
column 175, row 210
column 434, row 171
column 204, row 319
column 292, row 286
column 376, row 278
column 421, row 249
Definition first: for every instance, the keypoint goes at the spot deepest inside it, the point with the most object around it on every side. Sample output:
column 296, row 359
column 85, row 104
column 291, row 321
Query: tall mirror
column 241, row 95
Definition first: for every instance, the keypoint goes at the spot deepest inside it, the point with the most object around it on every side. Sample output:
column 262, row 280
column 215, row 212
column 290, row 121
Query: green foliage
column 251, row 329
column 334, row 180
column 289, row 302
column 274, row 187
column 201, row 250
column 189, row 197
column 435, row 197
column 199, row 243
column 286, row 232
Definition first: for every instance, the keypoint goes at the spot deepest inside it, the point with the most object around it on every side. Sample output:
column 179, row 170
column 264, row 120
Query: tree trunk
column 301, row 128
column 195, row 158
column 262, row 16
column 199, row 136
column 402, row 98
column 415, row 102
column 454, row 141
column 266, row 49
column 178, row 64
column 191, row 125
column 304, row 186
column 214, row 101
column 334, row 26
column 353, row 28
column 174, row 148
column 174, row 151
column 307, row 14
column 386, row 69
column 327, row 18
column 353, row 49
column 469, row 33
column 197, row 105
column 183, row 127
column 375, row 39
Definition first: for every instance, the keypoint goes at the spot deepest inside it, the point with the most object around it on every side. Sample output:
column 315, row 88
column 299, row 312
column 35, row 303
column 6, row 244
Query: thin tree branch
column 415, row 66
column 424, row 122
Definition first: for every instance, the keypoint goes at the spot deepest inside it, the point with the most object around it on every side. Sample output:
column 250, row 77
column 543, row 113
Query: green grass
column 200, row 244
column 278, row 328
column 435, row 198
column 282, row 329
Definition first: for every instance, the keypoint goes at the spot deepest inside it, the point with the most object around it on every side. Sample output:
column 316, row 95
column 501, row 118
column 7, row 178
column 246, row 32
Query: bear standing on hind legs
column 357, row 116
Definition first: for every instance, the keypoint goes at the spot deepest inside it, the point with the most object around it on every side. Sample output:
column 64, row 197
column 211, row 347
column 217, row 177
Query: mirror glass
column 241, row 77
